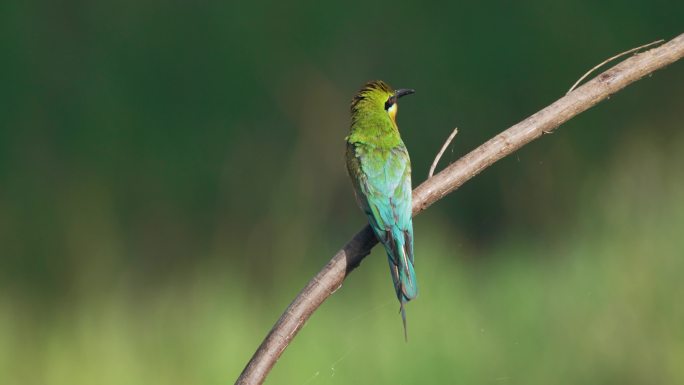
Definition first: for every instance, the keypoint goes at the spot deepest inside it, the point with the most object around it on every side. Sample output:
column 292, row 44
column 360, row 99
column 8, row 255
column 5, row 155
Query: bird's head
column 377, row 98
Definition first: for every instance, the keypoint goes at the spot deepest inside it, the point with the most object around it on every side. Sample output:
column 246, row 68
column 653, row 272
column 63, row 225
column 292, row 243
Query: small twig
column 611, row 59
column 441, row 152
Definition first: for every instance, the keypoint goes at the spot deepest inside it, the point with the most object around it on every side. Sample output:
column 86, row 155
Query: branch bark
column 330, row 278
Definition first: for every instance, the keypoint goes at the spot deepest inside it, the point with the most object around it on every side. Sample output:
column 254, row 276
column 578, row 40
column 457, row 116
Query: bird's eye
column 390, row 102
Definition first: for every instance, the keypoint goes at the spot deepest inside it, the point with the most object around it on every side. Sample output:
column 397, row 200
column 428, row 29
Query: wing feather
column 382, row 181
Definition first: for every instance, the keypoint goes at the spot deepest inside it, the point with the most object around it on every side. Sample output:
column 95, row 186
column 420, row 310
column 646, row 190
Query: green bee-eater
column 380, row 170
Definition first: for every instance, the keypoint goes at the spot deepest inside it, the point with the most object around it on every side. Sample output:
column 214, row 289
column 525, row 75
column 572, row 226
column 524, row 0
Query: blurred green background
column 172, row 174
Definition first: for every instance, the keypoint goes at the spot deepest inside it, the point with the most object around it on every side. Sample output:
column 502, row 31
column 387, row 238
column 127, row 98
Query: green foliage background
column 171, row 174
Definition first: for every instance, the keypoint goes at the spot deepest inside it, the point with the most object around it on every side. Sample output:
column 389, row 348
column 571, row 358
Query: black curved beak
column 403, row 91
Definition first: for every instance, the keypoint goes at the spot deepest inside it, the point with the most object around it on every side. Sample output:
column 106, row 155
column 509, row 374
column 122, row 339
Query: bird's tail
column 400, row 257
column 407, row 278
column 403, row 318
column 406, row 292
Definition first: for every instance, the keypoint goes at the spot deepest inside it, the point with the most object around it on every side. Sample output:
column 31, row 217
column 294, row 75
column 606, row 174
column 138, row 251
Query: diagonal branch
column 610, row 59
column 330, row 278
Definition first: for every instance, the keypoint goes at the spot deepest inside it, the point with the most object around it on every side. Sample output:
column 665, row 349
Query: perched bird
column 380, row 170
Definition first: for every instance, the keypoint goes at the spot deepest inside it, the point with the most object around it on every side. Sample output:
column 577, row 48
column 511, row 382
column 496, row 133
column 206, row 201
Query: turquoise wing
column 383, row 188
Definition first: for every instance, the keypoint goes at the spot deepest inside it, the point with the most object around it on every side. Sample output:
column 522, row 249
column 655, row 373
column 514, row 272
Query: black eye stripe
column 390, row 102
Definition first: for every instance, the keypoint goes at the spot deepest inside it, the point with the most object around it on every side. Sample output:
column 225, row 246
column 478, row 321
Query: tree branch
column 610, row 59
column 330, row 278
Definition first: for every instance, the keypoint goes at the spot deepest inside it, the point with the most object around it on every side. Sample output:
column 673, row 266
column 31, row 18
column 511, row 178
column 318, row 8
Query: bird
column 379, row 167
